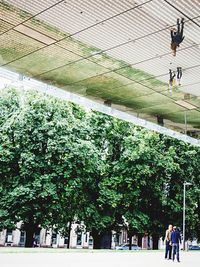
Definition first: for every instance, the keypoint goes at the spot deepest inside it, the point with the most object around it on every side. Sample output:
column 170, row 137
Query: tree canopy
column 60, row 163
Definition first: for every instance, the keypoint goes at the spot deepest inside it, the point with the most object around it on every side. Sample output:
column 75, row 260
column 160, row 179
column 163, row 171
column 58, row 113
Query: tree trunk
column 102, row 240
column 130, row 235
column 69, row 231
column 30, row 230
column 106, row 240
column 96, row 239
column 155, row 238
column 140, row 239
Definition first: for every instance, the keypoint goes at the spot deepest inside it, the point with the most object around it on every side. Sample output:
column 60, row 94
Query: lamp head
column 187, row 183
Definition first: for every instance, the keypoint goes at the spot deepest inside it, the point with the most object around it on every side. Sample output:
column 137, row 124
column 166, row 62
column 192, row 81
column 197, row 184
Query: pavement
column 95, row 259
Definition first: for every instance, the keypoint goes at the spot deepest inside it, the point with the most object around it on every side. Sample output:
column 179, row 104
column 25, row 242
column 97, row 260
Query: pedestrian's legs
column 178, row 26
column 173, row 251
column 170, row 75
column 179, row 75
column 182, row 26
column 166, row 249
column 173, row 79
column 170, row 80
column 177, row 252
column 180, row 71
column 170, row 252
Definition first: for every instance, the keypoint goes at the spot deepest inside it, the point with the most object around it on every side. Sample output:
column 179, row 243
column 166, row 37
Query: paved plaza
column 93, row 259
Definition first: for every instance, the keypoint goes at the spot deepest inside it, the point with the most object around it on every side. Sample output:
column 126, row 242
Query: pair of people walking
column 172, row 243
column 173, row 78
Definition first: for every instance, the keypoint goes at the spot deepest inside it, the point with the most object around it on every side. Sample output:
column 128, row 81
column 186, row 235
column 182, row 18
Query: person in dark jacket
column 175, row 241
column 177, row 36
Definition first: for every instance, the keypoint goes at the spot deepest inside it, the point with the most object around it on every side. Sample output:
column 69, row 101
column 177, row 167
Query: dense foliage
column 60, row 164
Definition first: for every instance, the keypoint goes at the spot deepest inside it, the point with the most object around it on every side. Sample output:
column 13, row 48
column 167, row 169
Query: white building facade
column 78, row 239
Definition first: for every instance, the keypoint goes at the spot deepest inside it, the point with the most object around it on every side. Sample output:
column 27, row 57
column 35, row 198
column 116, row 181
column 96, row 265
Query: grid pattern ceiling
column 117, row 50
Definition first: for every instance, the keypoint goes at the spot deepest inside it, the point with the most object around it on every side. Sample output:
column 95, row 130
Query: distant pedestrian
column 172, row 80
column 168, row 247
column 175, row 242
column 177, row 36
column 179, row 75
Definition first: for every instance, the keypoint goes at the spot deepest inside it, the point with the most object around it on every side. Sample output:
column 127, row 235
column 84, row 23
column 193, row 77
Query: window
column 86, row 237
column 9, row 236
column 90, row 241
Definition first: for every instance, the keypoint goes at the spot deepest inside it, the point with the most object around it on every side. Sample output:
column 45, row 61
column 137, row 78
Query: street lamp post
column 184, row 193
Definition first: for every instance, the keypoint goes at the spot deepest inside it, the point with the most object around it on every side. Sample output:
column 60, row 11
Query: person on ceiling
column 177, row 36
column 172, row 80
column 179, row 75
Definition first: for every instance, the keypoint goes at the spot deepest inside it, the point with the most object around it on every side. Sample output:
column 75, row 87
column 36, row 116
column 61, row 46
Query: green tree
column 143, row 167
column 40, row 139
column 101, row 211
column 60, row 164
column 187, row 160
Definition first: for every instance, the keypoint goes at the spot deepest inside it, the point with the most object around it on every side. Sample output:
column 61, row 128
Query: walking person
column 168, row 247
column 172, row 81
column 177, row 36
column 179, row 75
column 175, row 241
